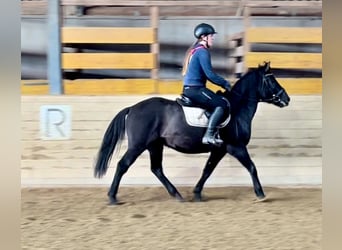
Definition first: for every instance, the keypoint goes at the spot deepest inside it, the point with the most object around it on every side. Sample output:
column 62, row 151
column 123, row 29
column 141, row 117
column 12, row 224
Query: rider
column 197, row 70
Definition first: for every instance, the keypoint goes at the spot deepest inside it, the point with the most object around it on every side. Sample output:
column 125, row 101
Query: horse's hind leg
column 242, row 155
column 126, row 161
column 156, row 155
column 212, row 162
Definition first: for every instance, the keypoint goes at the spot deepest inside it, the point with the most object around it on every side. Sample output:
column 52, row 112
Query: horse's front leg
column 214, row 158
column 242, row 155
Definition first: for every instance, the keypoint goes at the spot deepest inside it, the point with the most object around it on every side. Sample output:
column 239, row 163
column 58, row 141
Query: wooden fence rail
column 296, row 59
column 76, row 60
column 113, row 35
column 108, row 35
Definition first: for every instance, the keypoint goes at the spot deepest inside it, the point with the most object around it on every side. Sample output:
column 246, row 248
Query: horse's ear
column 267, row 66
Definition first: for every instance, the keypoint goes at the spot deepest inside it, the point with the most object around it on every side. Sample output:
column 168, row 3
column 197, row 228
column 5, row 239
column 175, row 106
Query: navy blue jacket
column 200, row 70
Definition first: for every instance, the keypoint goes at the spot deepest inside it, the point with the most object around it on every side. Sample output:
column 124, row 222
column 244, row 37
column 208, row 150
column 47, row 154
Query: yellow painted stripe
column 34, row 87
column 309, row 86
column 112, row 35
column 285, row 60
column 284, row 35
column 109, row 86
column 109, row 60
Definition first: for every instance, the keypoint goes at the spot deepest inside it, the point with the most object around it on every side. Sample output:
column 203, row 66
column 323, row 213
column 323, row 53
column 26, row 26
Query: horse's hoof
column 114, row 202
column 260, row 199
column 179, row 198
column 197, row 198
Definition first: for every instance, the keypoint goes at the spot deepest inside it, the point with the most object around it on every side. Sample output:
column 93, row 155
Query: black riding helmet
column 203, row 29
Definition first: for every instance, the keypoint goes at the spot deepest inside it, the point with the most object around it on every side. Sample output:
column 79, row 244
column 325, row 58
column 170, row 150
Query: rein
column 243, row 97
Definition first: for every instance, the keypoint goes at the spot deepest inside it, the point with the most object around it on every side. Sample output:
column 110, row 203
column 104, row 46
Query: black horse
column 157, row 122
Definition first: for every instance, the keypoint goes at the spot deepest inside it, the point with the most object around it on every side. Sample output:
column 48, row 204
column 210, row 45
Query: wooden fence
column 153, row 85
column 113, row 35
column 179, row 7
column 296, row 59
column 299, row 37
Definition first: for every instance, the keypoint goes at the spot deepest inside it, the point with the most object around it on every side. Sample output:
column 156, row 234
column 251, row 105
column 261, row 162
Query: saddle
column 194, row 114
column 185, row 101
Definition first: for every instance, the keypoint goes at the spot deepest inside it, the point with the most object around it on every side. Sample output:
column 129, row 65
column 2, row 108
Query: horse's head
column 259, row 85
column 269, row 89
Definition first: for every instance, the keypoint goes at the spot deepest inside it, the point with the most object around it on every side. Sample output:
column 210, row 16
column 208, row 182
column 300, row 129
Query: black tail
column 114, row 134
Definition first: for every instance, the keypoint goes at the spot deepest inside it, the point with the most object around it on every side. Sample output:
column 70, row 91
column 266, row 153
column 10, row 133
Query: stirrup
column 212, row 140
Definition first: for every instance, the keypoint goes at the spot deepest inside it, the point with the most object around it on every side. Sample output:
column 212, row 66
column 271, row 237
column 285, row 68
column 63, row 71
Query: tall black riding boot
column 214, row 120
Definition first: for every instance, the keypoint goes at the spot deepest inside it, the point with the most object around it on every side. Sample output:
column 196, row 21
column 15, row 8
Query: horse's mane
column 245, row 81
column 249, row 76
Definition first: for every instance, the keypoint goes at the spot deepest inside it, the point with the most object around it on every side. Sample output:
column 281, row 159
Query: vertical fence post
column 154, row 17
column 246, row 24
column 54, row 48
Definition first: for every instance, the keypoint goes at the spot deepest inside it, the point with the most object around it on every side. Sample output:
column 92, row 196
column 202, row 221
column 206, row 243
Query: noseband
column 275, row 97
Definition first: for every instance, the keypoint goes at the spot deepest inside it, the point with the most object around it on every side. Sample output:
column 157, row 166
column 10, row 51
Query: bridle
column 275, row 96
column 274, row 99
